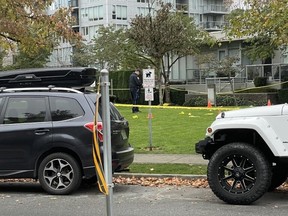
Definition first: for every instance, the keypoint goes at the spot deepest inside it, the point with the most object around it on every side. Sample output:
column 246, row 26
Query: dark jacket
column 134, row 81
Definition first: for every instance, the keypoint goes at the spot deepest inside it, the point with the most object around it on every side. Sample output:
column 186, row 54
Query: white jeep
column 247, row 151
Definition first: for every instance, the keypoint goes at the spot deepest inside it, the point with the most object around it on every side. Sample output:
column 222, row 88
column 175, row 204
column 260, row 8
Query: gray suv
column 46, row 134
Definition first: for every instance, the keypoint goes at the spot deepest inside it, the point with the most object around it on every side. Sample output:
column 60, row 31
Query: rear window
column 65, row 108
column 1, row 104
column 114, row 112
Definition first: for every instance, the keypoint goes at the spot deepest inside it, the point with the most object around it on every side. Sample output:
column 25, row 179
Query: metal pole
column 150, row 125
column 107, row 155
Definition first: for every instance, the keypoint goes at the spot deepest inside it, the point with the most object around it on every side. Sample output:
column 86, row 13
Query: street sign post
column 148, row 78
column 149, row 94
column 149, row 84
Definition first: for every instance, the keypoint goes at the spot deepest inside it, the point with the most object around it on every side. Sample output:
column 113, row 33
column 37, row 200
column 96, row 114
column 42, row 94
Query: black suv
column 46, row 134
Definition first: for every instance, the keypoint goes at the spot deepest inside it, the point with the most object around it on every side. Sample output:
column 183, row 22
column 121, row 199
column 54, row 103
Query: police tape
column 177, row 107
column 236, row 91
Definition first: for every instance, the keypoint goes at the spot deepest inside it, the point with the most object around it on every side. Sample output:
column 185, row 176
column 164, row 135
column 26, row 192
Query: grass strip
column 168, row 169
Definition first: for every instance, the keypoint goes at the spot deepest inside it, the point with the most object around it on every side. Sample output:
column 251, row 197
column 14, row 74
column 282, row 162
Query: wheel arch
column 57, row 150
column 250, row 136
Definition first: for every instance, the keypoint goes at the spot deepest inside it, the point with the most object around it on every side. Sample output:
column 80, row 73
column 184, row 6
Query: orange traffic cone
column 209, row 104
column 150, row 116
column 269, row 102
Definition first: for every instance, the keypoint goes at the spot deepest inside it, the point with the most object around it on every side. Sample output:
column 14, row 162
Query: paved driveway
column 28, row 199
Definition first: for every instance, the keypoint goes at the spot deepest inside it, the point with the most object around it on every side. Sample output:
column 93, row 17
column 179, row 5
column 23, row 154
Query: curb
column 149, row 175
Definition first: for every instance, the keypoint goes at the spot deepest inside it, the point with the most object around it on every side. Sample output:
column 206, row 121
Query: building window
column 95, row 13
column 120, row 26
column 84, row 12
column 143, row 11
column 84, row 31
column 221, row 54
column 143, row 1
column 93, row 31
column 119, row 12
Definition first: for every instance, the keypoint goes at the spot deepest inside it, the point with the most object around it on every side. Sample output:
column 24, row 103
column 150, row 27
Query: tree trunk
column 233, row 92
column 160, row 94
column 167, row 93
column 159, row 81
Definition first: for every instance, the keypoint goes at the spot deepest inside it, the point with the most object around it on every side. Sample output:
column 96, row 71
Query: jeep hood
column 256, row 111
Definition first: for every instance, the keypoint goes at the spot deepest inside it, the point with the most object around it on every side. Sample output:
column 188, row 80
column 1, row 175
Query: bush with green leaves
column 224, row 100
column 195, row 102
column 260, row 81
column 283, row 95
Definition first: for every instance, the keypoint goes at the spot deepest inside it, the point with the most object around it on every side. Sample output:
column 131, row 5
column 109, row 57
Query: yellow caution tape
column 176, row 107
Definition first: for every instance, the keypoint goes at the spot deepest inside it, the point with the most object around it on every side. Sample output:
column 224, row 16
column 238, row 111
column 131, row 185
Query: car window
column 114, row 112
column 25, row 110
column 65, row 108
column 1, row 104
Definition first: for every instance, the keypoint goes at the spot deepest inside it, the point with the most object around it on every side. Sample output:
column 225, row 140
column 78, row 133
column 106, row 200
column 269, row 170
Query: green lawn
column 168, row 169
column 175, row 130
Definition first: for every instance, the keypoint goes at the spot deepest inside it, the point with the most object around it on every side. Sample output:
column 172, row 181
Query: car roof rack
column 49, row 88
column 69, row 77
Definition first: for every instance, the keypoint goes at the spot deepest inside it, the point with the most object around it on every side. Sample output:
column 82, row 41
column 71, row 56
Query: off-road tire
column 59, row 174
column 239, row 173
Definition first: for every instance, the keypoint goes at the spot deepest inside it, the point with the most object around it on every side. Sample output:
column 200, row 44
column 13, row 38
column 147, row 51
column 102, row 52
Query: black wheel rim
column 237, row 174
column 58, row 174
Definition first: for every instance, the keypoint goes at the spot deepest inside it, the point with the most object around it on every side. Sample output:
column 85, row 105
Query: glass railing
column 214, row 8
column 213, row 25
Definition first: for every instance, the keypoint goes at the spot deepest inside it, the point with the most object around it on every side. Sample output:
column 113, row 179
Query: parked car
column 247, row 151
column 46, row 134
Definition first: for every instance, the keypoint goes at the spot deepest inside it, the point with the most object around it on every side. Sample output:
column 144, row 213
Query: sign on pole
column 149, row 94
column 148, row 78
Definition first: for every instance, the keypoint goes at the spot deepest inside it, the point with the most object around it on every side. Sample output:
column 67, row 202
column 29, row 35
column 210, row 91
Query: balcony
column 213, row 25
column 75, row 15
column 214, row 9
column 182, row 7
column 73, row 3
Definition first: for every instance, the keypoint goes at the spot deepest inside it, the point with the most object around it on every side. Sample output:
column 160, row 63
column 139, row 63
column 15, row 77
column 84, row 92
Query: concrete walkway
column 170, row 158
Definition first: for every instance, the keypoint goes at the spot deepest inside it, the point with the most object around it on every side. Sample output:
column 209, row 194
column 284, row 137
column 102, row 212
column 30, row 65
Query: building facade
column 208, row 14
column 91, row 14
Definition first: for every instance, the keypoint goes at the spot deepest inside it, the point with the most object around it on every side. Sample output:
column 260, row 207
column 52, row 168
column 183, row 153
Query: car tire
column 279, row 176
column 59, row 174
column 238, row 173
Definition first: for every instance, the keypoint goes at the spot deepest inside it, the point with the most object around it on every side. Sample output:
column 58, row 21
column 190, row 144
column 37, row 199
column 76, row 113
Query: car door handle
column 41, row 131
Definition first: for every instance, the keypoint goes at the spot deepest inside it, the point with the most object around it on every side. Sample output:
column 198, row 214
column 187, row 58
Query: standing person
column 135, row 85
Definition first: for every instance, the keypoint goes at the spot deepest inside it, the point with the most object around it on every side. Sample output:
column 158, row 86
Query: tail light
column 99, row 129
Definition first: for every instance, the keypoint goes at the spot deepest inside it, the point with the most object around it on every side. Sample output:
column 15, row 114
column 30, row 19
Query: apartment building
column 91, row 14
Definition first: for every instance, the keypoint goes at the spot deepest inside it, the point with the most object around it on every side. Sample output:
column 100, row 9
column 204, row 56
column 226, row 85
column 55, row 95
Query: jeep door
column 24, row 131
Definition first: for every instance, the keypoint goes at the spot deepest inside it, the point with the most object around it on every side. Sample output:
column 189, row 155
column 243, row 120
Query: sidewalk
column 170, row 158
column 194, row 159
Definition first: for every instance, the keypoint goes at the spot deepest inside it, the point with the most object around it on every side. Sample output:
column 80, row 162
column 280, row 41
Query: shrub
column 197, row 101
column 283, row 96
column 285, row 84
column 260, row 81
column 177, row 96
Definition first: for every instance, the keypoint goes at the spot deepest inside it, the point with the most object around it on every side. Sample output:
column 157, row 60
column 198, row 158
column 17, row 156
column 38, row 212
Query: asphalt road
column 28, row 199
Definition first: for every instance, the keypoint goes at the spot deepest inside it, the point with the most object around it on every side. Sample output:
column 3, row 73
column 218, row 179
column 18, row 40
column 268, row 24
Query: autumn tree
column 165, row 34
column 26, row 27
column 25, row 60
column 222, row 68
column 264, row 23
column 83, row 55
column 112, row 48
